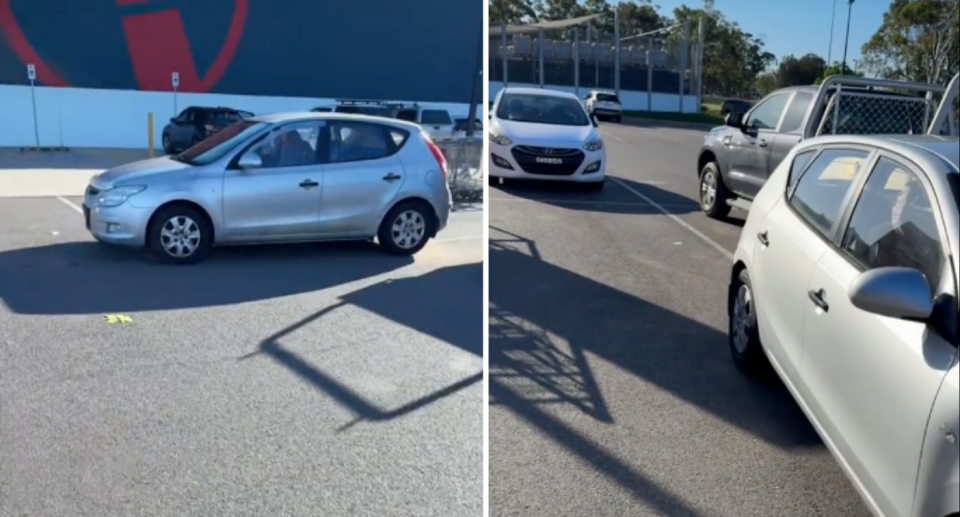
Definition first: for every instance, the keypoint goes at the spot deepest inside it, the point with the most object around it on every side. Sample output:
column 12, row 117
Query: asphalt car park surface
column 295, row 380
column 611, row 388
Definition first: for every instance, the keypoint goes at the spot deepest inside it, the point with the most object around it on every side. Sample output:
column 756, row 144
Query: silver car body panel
column 882, row 393
column 269, row 205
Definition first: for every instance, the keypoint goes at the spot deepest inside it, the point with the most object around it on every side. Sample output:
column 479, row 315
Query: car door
column 748, row 150
column 279, row 200
column 790, row 131
column 871, row 381
column 362, row 176
column 791, row 244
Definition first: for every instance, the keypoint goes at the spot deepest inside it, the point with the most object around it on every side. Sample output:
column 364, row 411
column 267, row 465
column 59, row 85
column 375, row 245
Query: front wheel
column 744, row 333
column 713, row 193
column 406, row 229
column 179, row 235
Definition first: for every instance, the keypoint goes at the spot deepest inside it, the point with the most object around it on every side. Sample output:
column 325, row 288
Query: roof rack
column 910, row 106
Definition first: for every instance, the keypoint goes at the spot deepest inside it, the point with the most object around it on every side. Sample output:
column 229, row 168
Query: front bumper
column 502, row 163
column 123, row 225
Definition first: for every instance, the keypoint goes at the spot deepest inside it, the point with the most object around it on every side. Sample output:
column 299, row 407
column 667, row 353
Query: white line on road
column 700, row 235
column 576, row 202
column 71, row 204
column 613, row 136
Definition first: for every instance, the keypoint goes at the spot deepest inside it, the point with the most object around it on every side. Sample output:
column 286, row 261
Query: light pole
column 846, row 39
column 833, row 21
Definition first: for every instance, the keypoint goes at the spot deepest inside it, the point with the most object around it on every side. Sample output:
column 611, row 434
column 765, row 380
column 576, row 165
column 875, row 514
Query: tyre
column 744, row 334
column 713, row 193
column 166, row 145
column 406, row 229
column 618, row 118
column 179, row 234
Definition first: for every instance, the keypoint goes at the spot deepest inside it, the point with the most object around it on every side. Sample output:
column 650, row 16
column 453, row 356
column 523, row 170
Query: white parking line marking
column 576, row 202
column 662, row 209
column 615, row 137
column 71, row 204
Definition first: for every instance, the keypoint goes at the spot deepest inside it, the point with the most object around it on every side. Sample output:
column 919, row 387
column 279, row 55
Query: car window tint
column 292, row 145
column 356, row 141
column 821, row 189
column 408, row 115
column 796, row 112
column 399, row 137
column 893, row 224
column 542, row 109
column 186, row 116
column 767, row 114
column 799, row 163
column 435, row 117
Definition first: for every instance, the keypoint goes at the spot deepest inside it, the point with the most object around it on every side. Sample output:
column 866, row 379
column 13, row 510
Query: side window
column 796, row 112
column 186, row 116
column 800, row 162
column 408, row 115
column 292, row 145
column 821, row 189
column 767, row 114
column 358, row 141
column 893, row 224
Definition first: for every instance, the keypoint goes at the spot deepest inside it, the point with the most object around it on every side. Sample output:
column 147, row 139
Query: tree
column 801, row 71
column 919, row 40
column 838, row 68
column 765, row 84
column 512, row 12
column 732, row 58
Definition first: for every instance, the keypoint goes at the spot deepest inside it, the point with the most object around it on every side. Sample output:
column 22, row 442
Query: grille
column 526, row 157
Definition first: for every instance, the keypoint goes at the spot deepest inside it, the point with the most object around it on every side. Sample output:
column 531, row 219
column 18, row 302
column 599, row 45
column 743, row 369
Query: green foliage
column 802, row 71
column 917, row 41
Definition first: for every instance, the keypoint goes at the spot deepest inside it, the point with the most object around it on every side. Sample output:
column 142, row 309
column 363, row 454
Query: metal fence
column 464, row 161
column 575, row 53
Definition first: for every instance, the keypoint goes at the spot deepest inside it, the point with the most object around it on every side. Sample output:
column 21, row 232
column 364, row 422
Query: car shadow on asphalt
column 446, row 303
column 679, row 355
column 91, row 278
column 614, row 198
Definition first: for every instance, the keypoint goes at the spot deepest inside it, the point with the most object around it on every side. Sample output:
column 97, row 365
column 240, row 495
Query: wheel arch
column 193, row 205
column 431, row 212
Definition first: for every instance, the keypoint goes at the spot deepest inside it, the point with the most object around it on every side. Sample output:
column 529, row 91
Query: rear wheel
column 406, row 229
column 713, row 193
column 744, row 334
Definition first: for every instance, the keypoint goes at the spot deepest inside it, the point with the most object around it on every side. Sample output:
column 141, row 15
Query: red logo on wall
column 157, row 43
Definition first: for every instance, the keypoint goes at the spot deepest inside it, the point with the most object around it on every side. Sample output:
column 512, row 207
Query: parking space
column 611, row 388
column 285, row 380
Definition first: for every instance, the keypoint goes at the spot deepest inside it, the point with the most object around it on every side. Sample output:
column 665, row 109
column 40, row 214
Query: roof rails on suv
column 858, row 105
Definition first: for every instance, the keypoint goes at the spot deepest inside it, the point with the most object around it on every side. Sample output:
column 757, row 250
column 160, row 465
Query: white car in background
column 604, row 105
column 436, row 122
column 845, row 281
column 545, row 135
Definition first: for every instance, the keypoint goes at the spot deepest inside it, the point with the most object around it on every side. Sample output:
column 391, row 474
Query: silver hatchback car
column 278, row 178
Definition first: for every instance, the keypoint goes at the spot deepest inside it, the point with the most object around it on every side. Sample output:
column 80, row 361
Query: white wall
column 630, row 100
column 80, row 117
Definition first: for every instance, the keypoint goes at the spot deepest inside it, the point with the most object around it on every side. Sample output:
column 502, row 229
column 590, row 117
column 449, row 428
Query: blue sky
column 797, row 28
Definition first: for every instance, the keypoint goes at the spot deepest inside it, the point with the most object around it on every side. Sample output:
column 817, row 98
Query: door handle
column 309, row 184
column 763, row 143
column 819, row 298
column 391, row 177
column 763, row 238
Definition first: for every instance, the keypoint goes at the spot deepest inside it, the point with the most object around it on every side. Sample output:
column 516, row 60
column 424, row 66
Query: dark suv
column 196, row 123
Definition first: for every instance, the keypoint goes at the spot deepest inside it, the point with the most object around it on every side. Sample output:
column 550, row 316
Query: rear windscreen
column 408, row 115
column 435, row 117
column 606, row 97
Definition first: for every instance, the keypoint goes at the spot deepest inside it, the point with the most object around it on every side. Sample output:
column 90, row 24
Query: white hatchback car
column 604, row 105
column 538, row 134
column 845, row 280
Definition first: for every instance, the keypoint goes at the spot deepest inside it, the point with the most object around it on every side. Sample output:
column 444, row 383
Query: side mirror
column 250, row 160
column 894, row 292
column 733, row 119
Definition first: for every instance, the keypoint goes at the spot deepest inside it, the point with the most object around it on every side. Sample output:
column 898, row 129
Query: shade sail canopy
column 496, row 30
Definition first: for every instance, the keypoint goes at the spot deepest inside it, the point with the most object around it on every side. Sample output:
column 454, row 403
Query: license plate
column 551, row 161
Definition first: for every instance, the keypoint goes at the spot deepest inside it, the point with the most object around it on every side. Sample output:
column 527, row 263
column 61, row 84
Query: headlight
column 499, row 139
column 118, row 196
column 593, row 146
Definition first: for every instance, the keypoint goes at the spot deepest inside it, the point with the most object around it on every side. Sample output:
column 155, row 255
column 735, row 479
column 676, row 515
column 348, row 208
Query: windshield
column 217, row 145
column 606, row 97
column 435, row 117
column 542, row 109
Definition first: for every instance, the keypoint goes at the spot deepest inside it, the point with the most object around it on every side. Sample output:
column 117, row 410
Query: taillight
column 437, row 154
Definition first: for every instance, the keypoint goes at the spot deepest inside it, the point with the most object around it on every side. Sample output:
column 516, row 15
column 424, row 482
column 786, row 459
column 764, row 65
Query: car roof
column 918, row 148
column 539, row 91
column 275, row 118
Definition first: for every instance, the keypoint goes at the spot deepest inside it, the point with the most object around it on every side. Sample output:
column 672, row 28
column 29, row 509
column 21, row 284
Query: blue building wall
column 422, row 50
